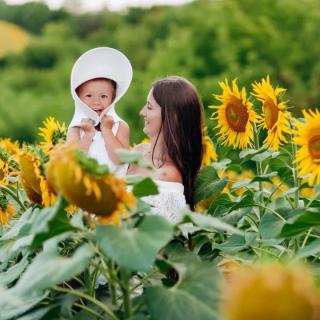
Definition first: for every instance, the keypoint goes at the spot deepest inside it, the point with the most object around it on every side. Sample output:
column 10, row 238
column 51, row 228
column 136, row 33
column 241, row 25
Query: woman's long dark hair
column 182, row 121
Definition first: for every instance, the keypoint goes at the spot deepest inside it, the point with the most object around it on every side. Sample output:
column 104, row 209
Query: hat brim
column 102, row 62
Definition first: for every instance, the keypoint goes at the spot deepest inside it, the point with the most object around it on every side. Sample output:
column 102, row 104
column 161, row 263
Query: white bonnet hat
column 102, row 62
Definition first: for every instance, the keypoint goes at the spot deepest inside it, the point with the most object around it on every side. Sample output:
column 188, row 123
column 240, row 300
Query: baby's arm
column 85, row 141
column 112, row 143
column 73, row 134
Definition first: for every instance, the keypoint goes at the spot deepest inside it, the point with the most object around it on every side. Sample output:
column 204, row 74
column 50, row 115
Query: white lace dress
column 170, row 200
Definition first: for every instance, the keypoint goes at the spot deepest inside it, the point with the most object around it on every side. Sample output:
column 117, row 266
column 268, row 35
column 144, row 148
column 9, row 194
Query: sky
column 92, row 5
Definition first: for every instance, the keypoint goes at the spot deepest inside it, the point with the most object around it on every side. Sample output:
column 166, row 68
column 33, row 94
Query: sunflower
column 270, row 291
column 6, row 210
column 53, row 132
column 88, row 185
column 209, row 153
column 275, row 118
column 4, row 167
column 9, row 167
column 307, row 137
column 11, row 147
column 32, row 162
column 235, row 116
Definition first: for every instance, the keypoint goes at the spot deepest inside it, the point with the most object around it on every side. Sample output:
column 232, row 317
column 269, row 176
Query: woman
column 173, row 118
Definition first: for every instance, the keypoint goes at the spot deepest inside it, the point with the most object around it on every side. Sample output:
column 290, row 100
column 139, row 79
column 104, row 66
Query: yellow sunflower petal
column 235, row 116
column 274, row 117
column 307, row 137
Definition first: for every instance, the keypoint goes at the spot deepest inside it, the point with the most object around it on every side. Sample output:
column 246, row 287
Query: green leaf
column 49, row 268
column 194, row 296
column 264, row 155
column 12, row 304
column 209, row 223
column 37, row 314
column 14, row 272
column 90, row 165
column 265, row 177
column 135, row 248
column 145, row 187
column 246, row 200
column 276, row 164
column 18, row 237
column 270, row 226
column 22, row 226
column 133, row 157
column 222, row 165
column 236, row 243
column 309, row 250
column 220, row 205
column 289, row 191
column 300, row 224
column 208, row 184
column 51, row 222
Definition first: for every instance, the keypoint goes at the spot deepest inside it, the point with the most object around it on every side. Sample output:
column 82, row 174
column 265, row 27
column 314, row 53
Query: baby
column 99, row 78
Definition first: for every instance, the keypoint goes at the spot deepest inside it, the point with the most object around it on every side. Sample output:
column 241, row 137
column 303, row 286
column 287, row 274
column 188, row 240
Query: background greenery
column 205, row 41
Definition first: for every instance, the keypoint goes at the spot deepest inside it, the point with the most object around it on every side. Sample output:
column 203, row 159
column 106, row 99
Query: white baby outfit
column 107, row 63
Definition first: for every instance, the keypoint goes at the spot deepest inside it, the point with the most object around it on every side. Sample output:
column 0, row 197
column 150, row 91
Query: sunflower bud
column 86, row 184
column 30, row 171
column 33, row 180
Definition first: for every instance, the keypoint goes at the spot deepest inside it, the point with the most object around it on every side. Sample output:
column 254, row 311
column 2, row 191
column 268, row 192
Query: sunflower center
column 57, row 136
column 314, row 147
column 270, row 114
column 237, row 116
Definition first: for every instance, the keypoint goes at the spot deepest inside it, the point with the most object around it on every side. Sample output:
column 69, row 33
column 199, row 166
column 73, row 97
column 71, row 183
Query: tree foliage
column 205, row 41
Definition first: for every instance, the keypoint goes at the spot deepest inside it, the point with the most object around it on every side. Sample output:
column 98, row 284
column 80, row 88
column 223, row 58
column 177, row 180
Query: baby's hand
column 107, row 122
column 87, row 125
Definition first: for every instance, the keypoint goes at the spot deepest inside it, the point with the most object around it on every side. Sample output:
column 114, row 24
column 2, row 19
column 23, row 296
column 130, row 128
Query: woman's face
column 151, row 113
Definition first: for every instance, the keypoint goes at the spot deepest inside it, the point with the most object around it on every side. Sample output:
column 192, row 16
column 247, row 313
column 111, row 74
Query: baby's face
column 97, row 94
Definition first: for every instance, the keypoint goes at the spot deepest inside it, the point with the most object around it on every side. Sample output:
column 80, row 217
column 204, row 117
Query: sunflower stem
column 306, row 238
column 13, row 196
column 84, row 307
column 259, row 168
column 89, row 298
column 296, row 180
column 112, row 282
column 125, row 287
column 108, row 270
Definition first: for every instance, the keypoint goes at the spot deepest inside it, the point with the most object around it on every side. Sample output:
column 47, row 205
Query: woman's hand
column 107, row 122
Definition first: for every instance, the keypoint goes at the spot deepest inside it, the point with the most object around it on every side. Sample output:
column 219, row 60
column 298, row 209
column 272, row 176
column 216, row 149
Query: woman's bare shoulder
column 141, row 147
column 169, row 172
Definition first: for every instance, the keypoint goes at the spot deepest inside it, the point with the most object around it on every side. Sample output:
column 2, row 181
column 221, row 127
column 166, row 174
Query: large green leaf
column 220, row 205
column 51, row 222
column 270, row 226
column 18, row 237
column 145, row 187
column 310, row 249
column 34, row 227
column 12, row 304
column 209, row 223
column 49, row 268
column 208, row 184
column 14, row 272
column 236, row 243
column 194, row 296
column 134, row 157
column 135, row 248
column 300, row 224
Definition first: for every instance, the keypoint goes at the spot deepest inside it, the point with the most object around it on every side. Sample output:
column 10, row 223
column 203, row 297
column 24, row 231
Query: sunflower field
column 78, row 242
